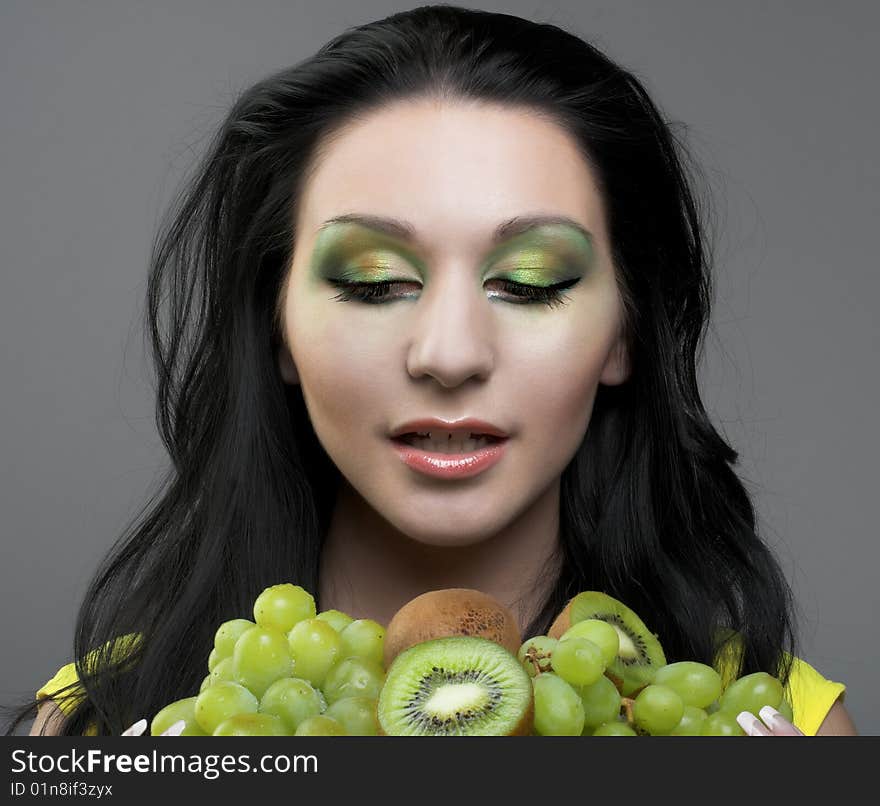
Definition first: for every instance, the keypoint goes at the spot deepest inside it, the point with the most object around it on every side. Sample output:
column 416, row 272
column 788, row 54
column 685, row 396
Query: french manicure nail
column 137, row 729
column 771, row 716
column 176, row 729
column 750, row 723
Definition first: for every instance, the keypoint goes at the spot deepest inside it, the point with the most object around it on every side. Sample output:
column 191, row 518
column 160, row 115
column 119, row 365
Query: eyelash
column 375, row 293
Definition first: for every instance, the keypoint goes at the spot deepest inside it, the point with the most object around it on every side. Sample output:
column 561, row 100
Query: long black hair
column 651, row 510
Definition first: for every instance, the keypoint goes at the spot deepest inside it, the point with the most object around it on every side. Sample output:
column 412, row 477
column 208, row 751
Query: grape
column 205, row 682
column 600, row 633
column 537, row 650
column 213, row 659
column 696, row 683
column 252, row 725
column 751, row 693
column 614, row 729
column 363, row 638
column 228, row 633
column 292, row 699
column 721, row 723
column 356, row 714
column 354, row 677
column 221, row 701
column 785, row 709
column 578, row 661
column 282, row 606
column 173, row 712
column 222, row 671
column 558, row 707
column 320, row 725
column 261, row 656
column 657, row 709
column 691, row 722
column 335, row 618
column 601, row 702
column 314, row 647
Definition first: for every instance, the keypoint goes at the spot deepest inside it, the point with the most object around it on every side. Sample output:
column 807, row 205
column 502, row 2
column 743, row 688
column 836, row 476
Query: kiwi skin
column 525, row 726
column 449, row 612
column 562, row 622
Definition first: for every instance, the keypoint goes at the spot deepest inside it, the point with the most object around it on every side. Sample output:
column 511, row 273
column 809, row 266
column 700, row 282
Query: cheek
column 565, row 364
column 341, row 372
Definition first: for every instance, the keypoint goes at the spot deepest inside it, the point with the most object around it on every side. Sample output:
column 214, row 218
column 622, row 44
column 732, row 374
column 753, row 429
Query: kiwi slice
column 640, row 653
column 456, row 686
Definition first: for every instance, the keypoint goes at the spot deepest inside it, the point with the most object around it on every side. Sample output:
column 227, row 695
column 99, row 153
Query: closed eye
column 522, row 294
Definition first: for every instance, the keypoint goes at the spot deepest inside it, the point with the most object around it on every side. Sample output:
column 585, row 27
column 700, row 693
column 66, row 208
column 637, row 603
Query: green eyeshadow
column 541, row 256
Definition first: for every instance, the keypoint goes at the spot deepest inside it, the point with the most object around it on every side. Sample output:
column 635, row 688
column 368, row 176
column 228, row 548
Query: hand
column 141, row 725
column 774, row 723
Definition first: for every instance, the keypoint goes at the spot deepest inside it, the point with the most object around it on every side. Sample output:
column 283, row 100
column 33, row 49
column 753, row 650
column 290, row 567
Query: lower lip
column 450, row 465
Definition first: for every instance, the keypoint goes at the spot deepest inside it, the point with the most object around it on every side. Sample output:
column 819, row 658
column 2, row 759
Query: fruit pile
column 451, row 662
column 290, row 671
column 599, row 671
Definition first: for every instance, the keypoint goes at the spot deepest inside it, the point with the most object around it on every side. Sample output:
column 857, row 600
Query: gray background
column 105, row 104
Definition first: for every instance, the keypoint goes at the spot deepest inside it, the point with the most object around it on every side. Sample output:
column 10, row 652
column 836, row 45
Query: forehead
column 452, row 169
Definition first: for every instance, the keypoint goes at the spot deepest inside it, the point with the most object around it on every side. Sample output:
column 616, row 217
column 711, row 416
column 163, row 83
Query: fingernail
column 176, row 729
column 749, row 723
column 137, row 729
column 771, row 716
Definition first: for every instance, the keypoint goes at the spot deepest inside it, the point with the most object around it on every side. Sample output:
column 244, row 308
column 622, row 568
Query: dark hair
column 651, row 510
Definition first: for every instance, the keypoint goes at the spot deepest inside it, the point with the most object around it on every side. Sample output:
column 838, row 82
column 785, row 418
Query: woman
column 456, row 223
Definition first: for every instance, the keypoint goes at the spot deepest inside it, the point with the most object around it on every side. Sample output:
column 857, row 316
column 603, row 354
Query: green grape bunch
column 290, row 671
column 578, row 693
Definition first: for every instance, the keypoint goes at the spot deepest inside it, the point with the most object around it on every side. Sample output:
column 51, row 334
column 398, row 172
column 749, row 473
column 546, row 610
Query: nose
column 453, row 331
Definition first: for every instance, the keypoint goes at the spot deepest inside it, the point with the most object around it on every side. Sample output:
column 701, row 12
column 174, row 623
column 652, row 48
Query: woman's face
column 450, row 337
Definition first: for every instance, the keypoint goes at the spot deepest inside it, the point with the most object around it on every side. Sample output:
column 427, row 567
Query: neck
column 369, row 569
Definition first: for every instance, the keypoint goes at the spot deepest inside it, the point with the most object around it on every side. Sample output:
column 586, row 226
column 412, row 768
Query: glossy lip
column 450, row 465
column 466, row 425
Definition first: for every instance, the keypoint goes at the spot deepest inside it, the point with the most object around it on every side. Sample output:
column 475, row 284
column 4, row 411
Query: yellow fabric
column 810, row 694
column 63, row 678
column 67, row 675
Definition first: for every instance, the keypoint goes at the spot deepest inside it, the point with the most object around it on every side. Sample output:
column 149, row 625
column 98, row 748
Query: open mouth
column 458, row 443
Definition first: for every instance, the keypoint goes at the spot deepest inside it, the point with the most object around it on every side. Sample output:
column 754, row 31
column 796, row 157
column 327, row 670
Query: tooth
column 456, row 445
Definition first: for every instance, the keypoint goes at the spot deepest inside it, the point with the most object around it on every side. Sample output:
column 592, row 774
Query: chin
column 452, row 536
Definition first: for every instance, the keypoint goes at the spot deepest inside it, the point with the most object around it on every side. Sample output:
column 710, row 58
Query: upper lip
column 463, row 427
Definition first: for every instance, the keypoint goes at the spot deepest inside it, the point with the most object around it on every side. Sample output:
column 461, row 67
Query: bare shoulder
column 49, row 721
column 837, row 722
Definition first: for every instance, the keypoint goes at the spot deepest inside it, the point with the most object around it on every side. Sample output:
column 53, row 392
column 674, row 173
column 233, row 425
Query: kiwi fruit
column 640, row 653
column 449, row 612
column 456, row 686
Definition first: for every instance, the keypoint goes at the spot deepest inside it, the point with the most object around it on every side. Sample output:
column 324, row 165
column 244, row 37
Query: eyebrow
column 405, row 231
